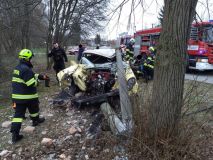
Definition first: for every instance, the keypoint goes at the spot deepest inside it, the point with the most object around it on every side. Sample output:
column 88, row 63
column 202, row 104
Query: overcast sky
column 145, row 15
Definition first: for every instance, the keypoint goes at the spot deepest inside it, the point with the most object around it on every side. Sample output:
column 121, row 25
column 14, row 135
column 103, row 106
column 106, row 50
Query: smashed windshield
column 208, row 34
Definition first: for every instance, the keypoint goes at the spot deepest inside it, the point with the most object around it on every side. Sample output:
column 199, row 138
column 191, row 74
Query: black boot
column 16, row 137
column 37, row 120
column 15, row 129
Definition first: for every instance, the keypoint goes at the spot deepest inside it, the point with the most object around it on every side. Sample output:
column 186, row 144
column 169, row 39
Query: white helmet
column 132, row 40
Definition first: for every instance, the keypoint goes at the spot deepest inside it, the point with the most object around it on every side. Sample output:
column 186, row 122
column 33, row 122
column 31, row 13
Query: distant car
column 72, row 51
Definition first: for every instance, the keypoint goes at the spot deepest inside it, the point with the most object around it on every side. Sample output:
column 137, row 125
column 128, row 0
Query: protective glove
column 46, row 77
column 43, row 77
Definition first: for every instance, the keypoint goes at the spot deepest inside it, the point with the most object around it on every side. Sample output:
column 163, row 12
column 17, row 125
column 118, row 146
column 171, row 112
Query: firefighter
column 59, row 56
column 24, row 93
column 148, row 66
column 137, row 65
column 152, row 51
column 122, row 48
column 130, row 50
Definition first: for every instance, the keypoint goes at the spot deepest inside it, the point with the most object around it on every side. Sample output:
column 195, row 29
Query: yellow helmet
column 25, row 54
column 152, row 49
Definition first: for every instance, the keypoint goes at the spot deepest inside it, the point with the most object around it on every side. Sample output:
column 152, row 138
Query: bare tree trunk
column 167, row 96
column 58, row 6
column 50, row 32
column 26, row 26
column 207, row 7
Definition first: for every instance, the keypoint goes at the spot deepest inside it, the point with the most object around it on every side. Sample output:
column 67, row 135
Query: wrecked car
column 94, row 79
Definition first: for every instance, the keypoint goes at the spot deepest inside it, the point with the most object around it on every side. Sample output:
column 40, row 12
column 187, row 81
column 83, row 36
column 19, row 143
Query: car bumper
column 202, row 66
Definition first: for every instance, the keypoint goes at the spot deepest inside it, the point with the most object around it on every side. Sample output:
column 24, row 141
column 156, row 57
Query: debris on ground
column 6, row 124
column 29, row 129
column 68, row 133
column 47, row 141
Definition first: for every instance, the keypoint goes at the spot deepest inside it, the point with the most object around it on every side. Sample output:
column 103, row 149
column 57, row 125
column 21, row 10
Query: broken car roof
column 109, row 53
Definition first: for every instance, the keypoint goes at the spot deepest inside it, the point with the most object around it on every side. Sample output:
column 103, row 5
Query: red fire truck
column 200, row 44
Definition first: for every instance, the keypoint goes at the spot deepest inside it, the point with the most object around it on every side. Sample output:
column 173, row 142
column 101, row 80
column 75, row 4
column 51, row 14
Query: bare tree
column 39, row 26
column 17, row 18
column 63, row 13
column 66, row 17
column 207, row 7
column 97, row 39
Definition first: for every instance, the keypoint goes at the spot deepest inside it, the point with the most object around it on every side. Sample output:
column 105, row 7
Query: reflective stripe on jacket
column 149, row 62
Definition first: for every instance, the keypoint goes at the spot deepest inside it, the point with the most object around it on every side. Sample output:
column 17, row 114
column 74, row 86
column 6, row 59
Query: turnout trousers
column 20, row 110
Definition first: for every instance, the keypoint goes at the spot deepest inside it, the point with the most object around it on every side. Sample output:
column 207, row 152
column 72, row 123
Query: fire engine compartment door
column 137, row 46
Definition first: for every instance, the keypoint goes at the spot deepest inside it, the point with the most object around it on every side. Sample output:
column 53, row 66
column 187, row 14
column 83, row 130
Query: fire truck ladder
column 194, row 33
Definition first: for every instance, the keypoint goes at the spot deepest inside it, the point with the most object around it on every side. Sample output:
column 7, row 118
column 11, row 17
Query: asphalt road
column 204, row 76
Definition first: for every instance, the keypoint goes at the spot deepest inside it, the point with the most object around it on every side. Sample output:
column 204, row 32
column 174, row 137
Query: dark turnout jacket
column 58, row 55
column 24, row 82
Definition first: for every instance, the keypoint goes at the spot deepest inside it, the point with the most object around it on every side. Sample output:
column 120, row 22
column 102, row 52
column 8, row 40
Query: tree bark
column 26, row 25
column 50, row 32
column 167, row 96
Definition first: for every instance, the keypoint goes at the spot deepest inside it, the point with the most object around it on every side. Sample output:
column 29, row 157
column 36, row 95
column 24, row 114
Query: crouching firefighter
column 24, row 93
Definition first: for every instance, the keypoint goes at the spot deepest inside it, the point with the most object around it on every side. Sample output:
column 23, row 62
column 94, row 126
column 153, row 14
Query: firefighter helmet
column 132, row 40
column 152, row 49
column 25, row 54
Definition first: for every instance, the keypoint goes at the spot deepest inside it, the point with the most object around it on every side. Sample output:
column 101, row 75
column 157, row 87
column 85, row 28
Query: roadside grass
column 195, row 135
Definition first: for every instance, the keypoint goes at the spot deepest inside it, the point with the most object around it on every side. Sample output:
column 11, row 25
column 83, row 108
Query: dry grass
column 195, row 139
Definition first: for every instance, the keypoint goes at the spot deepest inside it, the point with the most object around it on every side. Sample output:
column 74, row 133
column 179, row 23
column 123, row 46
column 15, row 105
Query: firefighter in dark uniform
column 59, row 56
column 24, row 93
column 148, row 66
column 152, row 51
column 130, row 50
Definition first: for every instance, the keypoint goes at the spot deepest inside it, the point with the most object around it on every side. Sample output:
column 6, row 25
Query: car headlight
column 131, row 82
column 202, row 60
